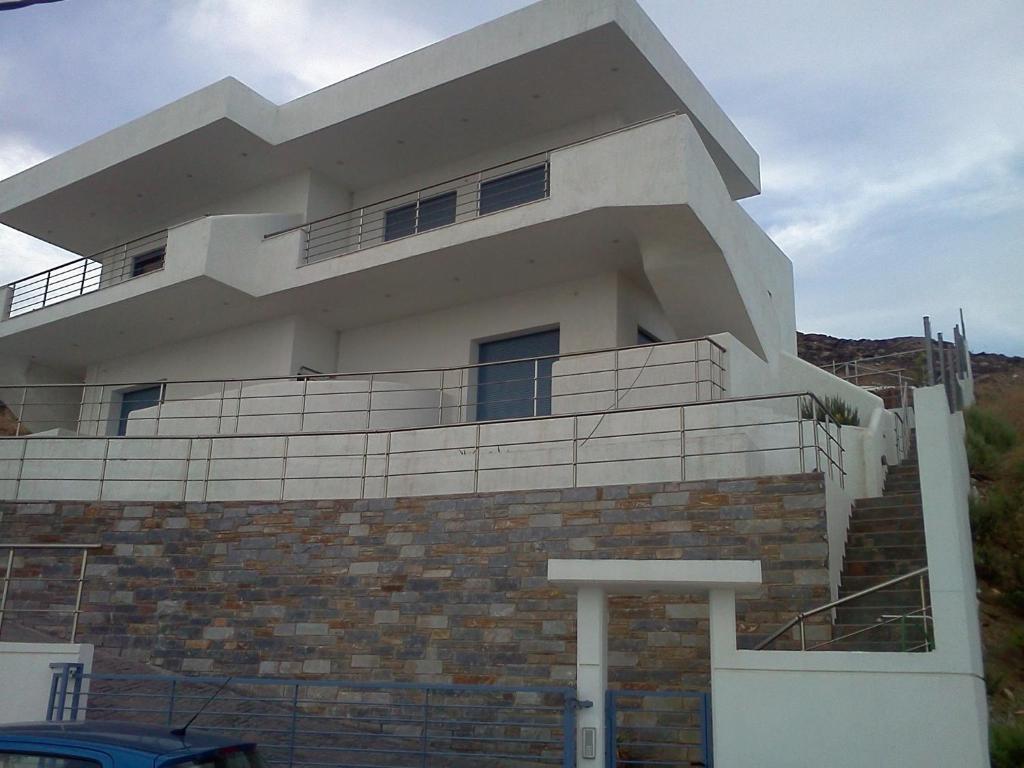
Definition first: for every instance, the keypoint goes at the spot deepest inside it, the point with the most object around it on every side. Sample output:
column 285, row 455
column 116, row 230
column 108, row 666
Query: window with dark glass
column 147, row 262
column 522, row 386
column 434, row 212
column 646, row 337
column 135, row 400
column 514, row 189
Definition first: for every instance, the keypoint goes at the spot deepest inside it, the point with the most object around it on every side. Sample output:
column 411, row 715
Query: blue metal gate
column 347, row 724
column 658, row 728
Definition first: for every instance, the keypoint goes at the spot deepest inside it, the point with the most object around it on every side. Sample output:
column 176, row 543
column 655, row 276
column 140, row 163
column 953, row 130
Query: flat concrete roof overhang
column 526, row 74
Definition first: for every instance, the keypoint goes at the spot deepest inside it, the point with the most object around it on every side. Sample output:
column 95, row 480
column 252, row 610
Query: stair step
column 890, row 553
column 882, row 513
column 882, row 570
column 853, row 584
column 894, row 500
column 885, row 538
column 886, row 525
column 902, row 487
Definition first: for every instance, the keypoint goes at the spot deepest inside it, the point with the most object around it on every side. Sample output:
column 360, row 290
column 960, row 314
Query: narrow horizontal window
column 437, row 211
column 514, row 189
column 147, row 262
column 428, row 213
column 399, row 222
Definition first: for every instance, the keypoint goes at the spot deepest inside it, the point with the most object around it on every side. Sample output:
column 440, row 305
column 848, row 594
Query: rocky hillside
column 823, row 350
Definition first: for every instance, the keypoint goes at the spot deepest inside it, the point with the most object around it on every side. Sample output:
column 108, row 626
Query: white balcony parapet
column 666, row 373
column 109, row 267
column 489, row 190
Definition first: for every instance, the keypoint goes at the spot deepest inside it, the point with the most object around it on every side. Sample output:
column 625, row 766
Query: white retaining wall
column 789, row 709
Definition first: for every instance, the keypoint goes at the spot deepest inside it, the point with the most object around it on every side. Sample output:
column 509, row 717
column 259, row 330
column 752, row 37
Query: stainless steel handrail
column 489, row 169
column 78, row 277
column 8, row 577
column 800, row 617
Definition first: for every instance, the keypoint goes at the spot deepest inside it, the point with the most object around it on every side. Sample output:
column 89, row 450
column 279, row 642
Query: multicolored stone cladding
column 443, row 589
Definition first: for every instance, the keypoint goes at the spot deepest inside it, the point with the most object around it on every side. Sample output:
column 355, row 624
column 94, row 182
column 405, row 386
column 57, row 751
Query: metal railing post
column 77, row 671
column 706, row 755
column 800, row 429
column 440, row 397
column 803, row 635
column 170, row 701
column 21, row 412
column 424, row 743
column 928, row 361
column 78, row 594
column 536, row 383
column 294, row 726
column 7, row 584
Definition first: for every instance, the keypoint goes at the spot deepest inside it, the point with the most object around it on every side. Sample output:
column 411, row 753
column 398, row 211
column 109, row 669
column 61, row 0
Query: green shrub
column 841, row 411
column 1006, row 744
column 989, row 439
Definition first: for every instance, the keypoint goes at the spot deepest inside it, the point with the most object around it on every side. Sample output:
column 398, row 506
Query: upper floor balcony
column 644, row 199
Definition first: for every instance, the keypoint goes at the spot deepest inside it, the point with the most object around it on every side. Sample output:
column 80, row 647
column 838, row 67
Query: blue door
column 510, row 390
column 135, row 400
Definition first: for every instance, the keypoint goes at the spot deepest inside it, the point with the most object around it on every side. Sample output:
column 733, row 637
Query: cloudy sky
column 891, row 134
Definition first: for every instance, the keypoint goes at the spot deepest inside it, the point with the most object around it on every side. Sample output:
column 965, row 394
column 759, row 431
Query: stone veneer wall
column 445, row 589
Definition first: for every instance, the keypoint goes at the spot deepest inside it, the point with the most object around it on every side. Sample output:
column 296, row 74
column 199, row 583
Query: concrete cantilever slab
column 603, row 59
column 642, row 576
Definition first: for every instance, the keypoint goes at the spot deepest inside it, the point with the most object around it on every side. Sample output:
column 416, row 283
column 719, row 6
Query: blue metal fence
column 314, row 723
column 658, row 728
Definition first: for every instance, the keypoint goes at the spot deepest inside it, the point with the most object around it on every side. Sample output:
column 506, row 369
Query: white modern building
column 511, row 260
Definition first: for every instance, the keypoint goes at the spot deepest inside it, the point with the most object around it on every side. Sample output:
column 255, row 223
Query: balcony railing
column 451, row 202
column 86, row 275
column 654, row 374
column 729, row 438
column 477, row 194
column 40, row 585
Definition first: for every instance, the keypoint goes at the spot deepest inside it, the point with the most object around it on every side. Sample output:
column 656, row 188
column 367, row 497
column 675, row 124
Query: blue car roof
column 151, row 739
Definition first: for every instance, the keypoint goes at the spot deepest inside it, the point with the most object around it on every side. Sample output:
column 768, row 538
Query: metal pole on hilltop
column 928, row 361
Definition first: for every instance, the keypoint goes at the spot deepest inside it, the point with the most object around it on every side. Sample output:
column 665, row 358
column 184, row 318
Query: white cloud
column 311, row 44
column 21, row 254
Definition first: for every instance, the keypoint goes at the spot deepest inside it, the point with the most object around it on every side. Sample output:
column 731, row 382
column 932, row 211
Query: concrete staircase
column 886, row 540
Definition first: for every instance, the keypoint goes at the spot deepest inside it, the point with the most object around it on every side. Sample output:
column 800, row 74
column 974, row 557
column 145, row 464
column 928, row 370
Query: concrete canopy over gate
column 593, row 581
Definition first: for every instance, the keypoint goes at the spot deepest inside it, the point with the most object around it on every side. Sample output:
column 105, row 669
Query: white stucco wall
column 789, row 709
column 25, row 676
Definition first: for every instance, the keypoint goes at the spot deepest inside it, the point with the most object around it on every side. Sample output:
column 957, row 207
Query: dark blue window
column 399, row 222
column 510, row 390
column 434, row 212
column 514, row 189
column 148, row 262
column 645, row 337
column 135, row 400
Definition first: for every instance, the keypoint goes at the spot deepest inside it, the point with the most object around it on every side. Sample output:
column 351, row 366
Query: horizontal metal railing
column 665, row 373
column 455, row 200
column 923, row 614
column 323, row 722
column 91, row 273
column 720, row 438
column 37, row 593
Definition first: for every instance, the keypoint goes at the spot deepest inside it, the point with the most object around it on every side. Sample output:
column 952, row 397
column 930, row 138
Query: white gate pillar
column 593, row 581
column 591, row 673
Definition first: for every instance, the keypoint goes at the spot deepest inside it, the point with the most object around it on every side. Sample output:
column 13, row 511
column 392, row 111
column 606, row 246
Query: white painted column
column 6, row 299
column 591, row 671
